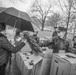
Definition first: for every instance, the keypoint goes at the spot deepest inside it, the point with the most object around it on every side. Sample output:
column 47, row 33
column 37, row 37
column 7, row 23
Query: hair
column 2, row 26
column 74, row 38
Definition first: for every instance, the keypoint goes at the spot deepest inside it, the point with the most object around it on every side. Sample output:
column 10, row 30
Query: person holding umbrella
column 6, row 48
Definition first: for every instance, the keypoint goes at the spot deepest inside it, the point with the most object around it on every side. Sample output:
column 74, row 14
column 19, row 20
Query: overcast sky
column 23, row 6
column 26, row 4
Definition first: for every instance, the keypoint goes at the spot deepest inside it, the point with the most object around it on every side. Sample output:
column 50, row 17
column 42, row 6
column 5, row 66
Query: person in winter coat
column 59, row 42
column 5, row 48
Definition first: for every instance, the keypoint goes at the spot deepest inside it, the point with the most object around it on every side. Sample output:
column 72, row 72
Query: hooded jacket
column 6, row 47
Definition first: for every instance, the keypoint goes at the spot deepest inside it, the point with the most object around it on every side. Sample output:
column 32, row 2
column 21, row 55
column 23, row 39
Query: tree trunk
column 68, row 19
column 74, row 30
column 67, row 23
column 42, row 26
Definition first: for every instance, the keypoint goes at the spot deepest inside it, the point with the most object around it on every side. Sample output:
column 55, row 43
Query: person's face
column 61, row 34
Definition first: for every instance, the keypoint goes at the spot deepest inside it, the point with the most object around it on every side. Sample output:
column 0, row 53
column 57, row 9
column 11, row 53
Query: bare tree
column 41, row 13
column 67, row 13
column 54, row 19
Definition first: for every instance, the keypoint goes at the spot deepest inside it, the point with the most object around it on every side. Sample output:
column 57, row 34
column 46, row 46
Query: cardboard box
column 59, row 65
column 27, row 69
column 72, row 61
column 24, row 66
column 46, row 63
column 18, row 59
column 63, row 65
column 22, row 59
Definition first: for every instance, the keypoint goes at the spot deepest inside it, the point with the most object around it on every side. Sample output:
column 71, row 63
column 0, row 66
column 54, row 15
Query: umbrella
column 2, row 9
column 17, row 19
column 35, row 27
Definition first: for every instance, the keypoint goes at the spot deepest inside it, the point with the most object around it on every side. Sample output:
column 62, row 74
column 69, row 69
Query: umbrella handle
column 16, row 19
column 15, row 23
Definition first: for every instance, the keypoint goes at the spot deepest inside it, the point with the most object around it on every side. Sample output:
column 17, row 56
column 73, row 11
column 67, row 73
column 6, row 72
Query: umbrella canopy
column 18, row 13
column 2, row 9
column 35, row 27
column 16, row 18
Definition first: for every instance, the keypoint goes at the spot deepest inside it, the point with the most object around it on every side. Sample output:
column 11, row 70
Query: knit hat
column 62, row 29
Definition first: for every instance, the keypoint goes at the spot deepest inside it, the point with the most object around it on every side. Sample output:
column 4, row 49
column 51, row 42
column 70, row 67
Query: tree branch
column 37, row 19
column 41, row 11
column 62, row 8
column 46, row 13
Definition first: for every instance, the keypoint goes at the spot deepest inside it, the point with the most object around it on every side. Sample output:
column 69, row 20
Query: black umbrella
column 17, row 19
column 2, row 9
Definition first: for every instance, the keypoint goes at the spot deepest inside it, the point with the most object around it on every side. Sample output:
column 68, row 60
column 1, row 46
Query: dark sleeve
column 9, row 47
column 69, row 47
column 46, row 43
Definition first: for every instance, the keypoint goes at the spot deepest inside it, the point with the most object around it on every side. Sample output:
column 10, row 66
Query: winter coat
column 73, row 46
column 54, row 33
column 58, row 44
column 6, row 48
